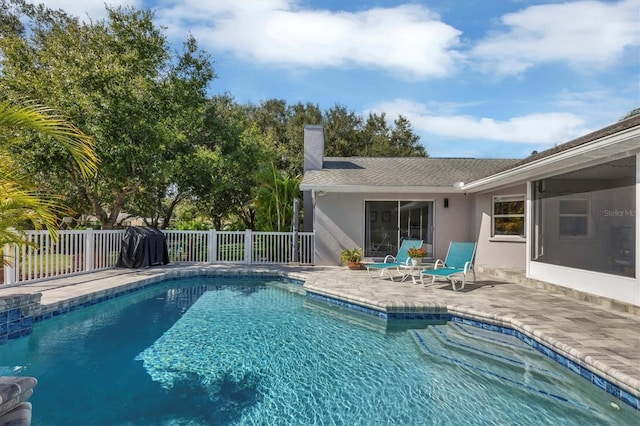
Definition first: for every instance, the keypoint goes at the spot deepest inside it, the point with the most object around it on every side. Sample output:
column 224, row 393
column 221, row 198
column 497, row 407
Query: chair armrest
column 467, row 266
column 439, row 263
column 389, row 258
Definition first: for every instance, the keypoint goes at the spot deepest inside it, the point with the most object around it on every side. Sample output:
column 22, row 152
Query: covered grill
column 143, row 247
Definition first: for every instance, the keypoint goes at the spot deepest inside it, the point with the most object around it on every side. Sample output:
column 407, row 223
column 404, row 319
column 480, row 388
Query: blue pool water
column 218, row 351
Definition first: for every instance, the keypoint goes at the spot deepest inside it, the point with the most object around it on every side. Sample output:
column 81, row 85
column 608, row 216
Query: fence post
column 212, row 246
column 11, row 268
column 89, row 243
column 296, row 213
column 248, row 244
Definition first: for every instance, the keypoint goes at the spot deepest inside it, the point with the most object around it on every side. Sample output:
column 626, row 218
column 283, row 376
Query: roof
column 399, row 173
column 427, row 174
column 590, row 137
column 619, row 140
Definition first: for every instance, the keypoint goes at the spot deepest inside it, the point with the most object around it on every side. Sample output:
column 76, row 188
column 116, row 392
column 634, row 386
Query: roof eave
column 613, row 147
column 400, row 189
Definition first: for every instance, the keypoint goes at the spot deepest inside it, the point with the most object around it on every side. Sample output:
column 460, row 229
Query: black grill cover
column 143, row 247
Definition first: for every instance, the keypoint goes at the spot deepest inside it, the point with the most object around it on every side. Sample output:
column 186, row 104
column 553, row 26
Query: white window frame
column 587, row 199
column 494, row 216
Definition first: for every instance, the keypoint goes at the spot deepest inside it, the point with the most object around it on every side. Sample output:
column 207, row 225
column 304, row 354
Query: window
column 508, row 215
column 574, row 218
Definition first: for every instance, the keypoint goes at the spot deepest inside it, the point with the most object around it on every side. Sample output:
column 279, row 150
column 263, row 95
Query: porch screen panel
column 586, row 219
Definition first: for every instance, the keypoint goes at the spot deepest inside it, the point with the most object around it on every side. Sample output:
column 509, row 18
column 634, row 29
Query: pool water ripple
column 191, row 352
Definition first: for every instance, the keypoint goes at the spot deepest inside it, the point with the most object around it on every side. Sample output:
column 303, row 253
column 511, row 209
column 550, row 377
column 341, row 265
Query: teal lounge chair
column 400, row 259
column 456, row 265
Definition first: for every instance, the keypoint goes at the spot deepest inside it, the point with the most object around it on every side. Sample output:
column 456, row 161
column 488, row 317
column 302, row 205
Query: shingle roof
column 404, row 171
column 590, row 137
column 407, row 172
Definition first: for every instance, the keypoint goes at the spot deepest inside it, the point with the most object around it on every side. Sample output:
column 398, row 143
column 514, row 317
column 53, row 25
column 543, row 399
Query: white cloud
column 602, row 105
column 590, row 34
column 408, row 40
column 542, row 129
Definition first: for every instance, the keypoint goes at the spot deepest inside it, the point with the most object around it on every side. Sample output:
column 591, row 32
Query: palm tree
column 21, row 204
column 274, row 199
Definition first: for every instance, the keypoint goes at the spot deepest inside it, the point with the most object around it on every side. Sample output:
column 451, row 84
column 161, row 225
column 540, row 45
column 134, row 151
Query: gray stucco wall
column 496, row 251
column 338, row 224
column 454, row 223
column 339, row 221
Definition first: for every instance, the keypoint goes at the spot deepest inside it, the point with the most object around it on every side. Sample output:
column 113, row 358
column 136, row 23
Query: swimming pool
column 206, row 351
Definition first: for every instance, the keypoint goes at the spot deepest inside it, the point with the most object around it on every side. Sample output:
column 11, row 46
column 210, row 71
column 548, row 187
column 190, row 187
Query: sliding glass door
column 389, row 222
column 381, row 228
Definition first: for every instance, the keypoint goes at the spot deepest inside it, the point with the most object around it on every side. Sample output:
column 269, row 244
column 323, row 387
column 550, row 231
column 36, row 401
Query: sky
column 476, row 78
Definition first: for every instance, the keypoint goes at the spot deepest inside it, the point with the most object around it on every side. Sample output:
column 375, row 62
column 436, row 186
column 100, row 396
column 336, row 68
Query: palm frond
column 44, row 120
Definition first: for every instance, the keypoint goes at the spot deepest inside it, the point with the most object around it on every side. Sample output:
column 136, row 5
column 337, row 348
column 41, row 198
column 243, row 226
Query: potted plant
column 351, row 258
column 416, row 254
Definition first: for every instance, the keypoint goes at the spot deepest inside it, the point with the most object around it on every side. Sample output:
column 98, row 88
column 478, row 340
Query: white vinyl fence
column 89, row 250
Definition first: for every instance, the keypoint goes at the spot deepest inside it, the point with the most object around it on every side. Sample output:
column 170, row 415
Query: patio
column 604, row 339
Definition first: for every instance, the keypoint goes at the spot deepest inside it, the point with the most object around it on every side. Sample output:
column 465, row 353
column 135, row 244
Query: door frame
column 366, row 228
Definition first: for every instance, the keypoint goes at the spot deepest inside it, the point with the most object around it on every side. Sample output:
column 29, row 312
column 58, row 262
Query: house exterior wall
column 339, row 221
column 613, row 287
column 454, row 223
column 497, row 251
column 338, row 224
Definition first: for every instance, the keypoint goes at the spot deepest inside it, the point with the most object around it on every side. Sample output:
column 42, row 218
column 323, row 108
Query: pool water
column 226, row 351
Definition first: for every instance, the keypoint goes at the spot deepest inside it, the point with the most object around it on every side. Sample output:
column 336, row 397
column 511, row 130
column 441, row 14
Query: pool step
column 491, row 337
column 498, row 347
column 499, row 357
column 505, row 355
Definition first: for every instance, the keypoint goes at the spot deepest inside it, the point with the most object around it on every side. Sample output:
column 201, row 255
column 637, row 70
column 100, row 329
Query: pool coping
column 616, row 383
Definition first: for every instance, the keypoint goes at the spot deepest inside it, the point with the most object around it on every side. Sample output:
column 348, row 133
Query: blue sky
column 476, row 78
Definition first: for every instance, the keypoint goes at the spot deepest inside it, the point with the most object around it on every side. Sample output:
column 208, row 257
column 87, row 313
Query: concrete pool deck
column 605, row 341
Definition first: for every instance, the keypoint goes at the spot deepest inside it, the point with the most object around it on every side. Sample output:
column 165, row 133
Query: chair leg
column 453, row 283
column 390, row 274
column 433, row 280
column 375, row 276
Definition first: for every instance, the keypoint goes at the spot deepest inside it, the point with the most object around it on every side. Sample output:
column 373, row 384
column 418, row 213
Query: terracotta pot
column 354, row 265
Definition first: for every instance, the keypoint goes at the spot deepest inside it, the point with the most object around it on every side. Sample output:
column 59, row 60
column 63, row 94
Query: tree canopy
column 347, row 134
column 163, row 140
column 631, row 113
column 116, row 80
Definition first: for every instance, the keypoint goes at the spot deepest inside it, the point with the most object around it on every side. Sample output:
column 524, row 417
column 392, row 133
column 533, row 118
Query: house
column 566, row 216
